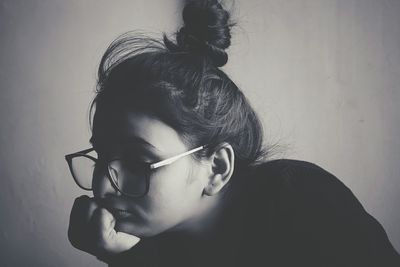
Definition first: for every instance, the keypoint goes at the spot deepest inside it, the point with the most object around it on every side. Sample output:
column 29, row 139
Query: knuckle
column 81, row 199
column 82, row 210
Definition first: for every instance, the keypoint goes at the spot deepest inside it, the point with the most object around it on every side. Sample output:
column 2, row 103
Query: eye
column 135, row 165
column 136, row 156
column 137, row 162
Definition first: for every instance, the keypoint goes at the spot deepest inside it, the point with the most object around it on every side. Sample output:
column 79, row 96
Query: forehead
column 146, row 130
column 151, row 129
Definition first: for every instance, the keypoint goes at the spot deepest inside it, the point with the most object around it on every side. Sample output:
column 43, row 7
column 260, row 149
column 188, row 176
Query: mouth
column 120, row 214
column 116, row 209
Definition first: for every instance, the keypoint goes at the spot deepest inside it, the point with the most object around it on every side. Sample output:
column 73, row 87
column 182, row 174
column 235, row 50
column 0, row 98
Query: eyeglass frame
column 147, row 167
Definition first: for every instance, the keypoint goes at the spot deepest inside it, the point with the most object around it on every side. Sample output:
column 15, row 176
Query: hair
column 181, row 83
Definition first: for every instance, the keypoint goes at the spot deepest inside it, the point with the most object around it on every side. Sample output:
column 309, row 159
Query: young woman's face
column 175, row 190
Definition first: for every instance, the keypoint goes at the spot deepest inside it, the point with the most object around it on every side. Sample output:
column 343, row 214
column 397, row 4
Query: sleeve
column 341, row 232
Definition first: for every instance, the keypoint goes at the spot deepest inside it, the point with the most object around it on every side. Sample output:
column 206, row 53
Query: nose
column 102, row 185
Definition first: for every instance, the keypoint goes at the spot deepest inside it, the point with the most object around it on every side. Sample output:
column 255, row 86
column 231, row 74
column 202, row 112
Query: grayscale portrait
column 200, row 133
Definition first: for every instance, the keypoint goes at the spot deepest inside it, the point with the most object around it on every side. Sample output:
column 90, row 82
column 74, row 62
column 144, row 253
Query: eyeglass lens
column 83, row 168
column 129, row 176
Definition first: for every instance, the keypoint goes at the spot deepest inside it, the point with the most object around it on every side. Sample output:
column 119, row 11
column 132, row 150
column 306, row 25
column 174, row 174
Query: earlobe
column 215, row 186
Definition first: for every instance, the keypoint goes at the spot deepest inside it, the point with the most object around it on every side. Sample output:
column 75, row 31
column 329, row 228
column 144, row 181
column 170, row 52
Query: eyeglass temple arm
column 79, row 153
column 170, row 160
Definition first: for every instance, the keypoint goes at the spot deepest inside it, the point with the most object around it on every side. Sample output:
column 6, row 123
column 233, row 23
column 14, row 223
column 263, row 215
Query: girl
column 180, row 176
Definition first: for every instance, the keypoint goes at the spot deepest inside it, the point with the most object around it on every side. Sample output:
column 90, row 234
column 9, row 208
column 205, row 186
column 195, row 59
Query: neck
column 203, row 224
column 206, row 221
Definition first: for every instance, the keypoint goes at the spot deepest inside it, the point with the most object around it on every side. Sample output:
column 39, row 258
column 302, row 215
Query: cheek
column 168, row 187
column 171, row 195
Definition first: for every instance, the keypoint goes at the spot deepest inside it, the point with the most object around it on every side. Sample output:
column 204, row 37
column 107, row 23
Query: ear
column 222, row 165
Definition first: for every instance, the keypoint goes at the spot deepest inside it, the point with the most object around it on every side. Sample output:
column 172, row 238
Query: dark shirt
column 286, row 213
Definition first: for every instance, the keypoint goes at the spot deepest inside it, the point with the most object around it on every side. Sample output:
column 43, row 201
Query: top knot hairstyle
column 180, row 83
column 206, row 31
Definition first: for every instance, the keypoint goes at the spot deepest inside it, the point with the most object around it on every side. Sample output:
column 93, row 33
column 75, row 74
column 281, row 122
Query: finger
column 81, row 212
column 124, row 241
column 109, row 240
column 102, row 222
column 126, row 227
column 82, row 209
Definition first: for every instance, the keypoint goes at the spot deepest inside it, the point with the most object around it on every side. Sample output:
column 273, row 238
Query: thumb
column 108, row 238
column 124, row 241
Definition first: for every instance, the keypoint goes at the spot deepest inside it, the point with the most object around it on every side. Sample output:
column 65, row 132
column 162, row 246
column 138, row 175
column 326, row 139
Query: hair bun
column 206, row 29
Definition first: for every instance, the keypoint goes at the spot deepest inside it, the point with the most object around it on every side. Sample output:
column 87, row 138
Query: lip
column 116, row 208
column 120, row 214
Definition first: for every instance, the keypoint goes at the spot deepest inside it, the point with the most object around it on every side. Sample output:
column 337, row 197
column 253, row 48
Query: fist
column 91, row 229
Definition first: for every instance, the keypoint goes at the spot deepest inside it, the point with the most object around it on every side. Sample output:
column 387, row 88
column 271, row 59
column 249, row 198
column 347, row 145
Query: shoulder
column 292, row 171
column 307, row 205
column 305, row 187
column 296, row 176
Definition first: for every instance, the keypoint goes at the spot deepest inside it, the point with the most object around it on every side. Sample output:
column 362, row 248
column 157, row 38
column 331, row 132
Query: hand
column 91, row 229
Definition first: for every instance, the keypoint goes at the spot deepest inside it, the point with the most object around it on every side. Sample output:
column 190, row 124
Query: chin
column 138, row 229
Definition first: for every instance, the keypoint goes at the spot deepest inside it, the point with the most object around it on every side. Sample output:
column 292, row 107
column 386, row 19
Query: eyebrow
column 134, row 140
column 139, row 140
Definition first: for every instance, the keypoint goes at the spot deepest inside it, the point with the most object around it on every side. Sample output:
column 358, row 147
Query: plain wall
column 323, row 75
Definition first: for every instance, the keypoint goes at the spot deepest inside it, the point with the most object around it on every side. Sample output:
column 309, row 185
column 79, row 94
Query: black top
column 288, row 213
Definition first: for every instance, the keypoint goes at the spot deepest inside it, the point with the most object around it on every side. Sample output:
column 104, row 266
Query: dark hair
column 181, row 84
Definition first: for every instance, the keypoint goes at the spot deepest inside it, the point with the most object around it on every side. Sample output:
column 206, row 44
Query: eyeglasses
column 128, row 175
